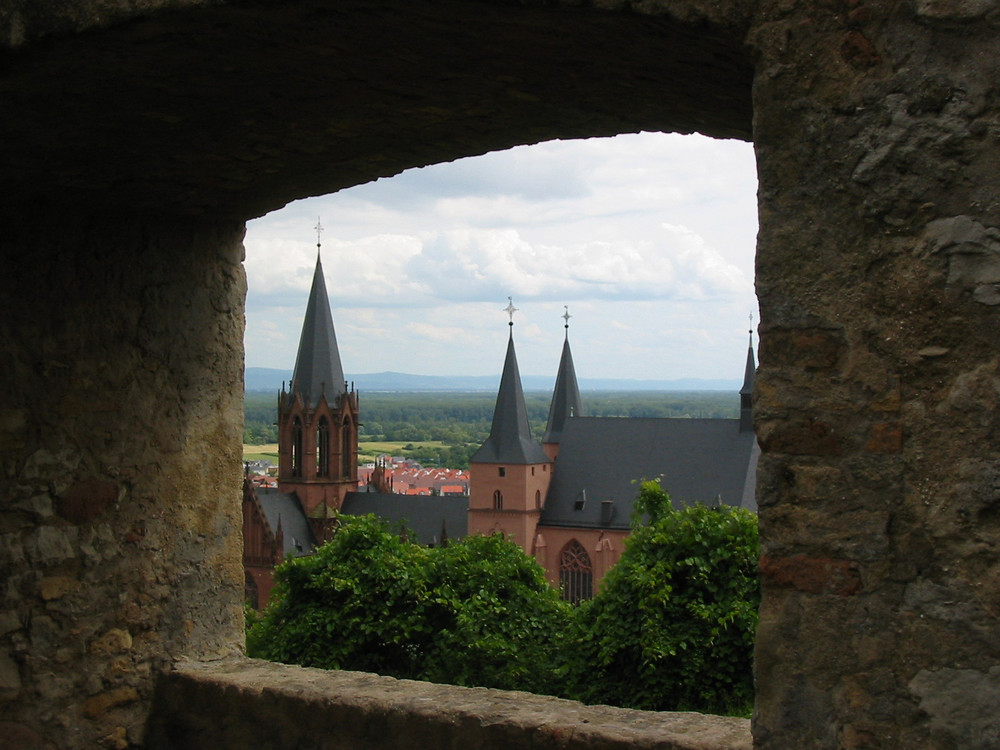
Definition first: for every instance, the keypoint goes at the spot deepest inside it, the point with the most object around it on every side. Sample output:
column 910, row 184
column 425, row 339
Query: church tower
column 510, row 473
column 746, row 392
column 318, row 416
column 566, row 401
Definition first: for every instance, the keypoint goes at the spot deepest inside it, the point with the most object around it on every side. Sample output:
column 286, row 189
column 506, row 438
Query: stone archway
column 134, row 146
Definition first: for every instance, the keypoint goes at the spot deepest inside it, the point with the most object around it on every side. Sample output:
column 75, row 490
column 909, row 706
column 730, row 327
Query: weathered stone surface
column 10, row 678
column 98, row 705
column 875, row 227
column 876, row 125
column 56, row 587
column 664, row 65
column 112, row 642
column 964, row 705
column 103, row 606
column 813, row 576
column 252, row 702
column 87, row 500
column 22, row 737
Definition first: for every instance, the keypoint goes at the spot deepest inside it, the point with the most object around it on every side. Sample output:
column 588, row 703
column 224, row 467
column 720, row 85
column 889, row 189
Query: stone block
column 98, row 705
column 88, row 500
column 812, row 575
column 51, row 544
column 113, row 641
column 56, row 587
column 885, row 437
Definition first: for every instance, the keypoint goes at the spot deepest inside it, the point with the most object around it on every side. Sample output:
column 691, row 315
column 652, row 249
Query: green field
column 367, row 451
column 261, row 453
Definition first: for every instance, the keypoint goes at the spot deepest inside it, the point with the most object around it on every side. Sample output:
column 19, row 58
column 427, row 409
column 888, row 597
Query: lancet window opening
column 297, row 447
column 576, row 573
column 323, row 448
column 345, row 449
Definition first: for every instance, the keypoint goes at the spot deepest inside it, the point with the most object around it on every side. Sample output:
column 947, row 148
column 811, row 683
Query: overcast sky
column 649, row 239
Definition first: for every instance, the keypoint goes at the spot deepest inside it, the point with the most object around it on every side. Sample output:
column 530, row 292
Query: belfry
column 318, row 415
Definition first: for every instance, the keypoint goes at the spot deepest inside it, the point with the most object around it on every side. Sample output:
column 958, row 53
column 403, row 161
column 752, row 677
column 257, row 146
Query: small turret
column 746, row 392
column 510, row 439
column 566, row 401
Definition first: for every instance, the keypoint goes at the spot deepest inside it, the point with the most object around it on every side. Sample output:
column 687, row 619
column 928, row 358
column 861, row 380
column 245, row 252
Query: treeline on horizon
column 460, row 421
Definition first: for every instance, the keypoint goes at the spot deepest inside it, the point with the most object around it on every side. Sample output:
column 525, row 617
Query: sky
column 648, row 239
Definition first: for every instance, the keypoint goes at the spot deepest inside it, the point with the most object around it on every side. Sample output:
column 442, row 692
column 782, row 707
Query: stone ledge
column 244, row 702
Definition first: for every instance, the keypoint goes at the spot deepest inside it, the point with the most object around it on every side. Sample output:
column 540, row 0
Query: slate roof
column 317, row 364
column 699, row 460
column 423, row 515
column 510, row 440
column 286, row 508
column 565, row 397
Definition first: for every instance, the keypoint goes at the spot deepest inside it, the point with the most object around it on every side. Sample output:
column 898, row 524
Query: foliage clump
column 476, row 612
column 672, row 627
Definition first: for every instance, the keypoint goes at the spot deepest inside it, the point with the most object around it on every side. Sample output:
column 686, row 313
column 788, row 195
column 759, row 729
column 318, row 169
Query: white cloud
column 648, row 238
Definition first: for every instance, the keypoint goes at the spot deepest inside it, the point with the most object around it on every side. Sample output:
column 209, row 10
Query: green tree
column 477, row 612
column 673, row 625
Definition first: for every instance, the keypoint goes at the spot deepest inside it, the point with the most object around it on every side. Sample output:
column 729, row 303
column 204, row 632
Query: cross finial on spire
column 319, row 231
column 566, row 316
column 510, row 310
column 751, row 328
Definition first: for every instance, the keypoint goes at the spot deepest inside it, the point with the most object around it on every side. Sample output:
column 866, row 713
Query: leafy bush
column 477, row 612
column 673, row 625
column 671, row 629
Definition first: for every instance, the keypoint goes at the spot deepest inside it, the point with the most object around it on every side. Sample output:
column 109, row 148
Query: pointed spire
column 317, row 366
column 746, row 392
column 566, row 396
column 510, row 438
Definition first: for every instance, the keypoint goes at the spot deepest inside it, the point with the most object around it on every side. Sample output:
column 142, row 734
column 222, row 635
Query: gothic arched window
column 576, row 573
column 497, row 500
column 297, row 447
column 323, row 448
column 538, row 498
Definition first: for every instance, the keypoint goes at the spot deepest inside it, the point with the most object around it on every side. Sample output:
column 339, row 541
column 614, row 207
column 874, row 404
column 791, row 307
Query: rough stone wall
column 243, row 703
column 235, row 110
column 120, row 423
column 877, row 131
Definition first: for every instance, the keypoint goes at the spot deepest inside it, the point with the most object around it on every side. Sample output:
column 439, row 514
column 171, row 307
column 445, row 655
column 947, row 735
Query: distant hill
column 268, row 379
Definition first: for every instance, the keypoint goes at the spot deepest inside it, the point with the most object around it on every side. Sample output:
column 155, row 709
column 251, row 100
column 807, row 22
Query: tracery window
column 497, row 500
column 576, row 573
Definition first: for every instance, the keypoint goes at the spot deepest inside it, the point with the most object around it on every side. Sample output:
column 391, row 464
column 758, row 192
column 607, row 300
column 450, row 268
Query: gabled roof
column 424, row 516
column 510, row 440
column 700, row 460
column 317, row 364
column 565, row 398
column 284, row 507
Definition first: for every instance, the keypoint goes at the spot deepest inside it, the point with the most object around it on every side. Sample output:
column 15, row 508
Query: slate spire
column 566, row 401
column 317, row 364
column 510, row 440
column 746, row 392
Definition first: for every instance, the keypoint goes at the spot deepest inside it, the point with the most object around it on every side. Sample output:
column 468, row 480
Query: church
column 318, row 419
column 567, row 500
